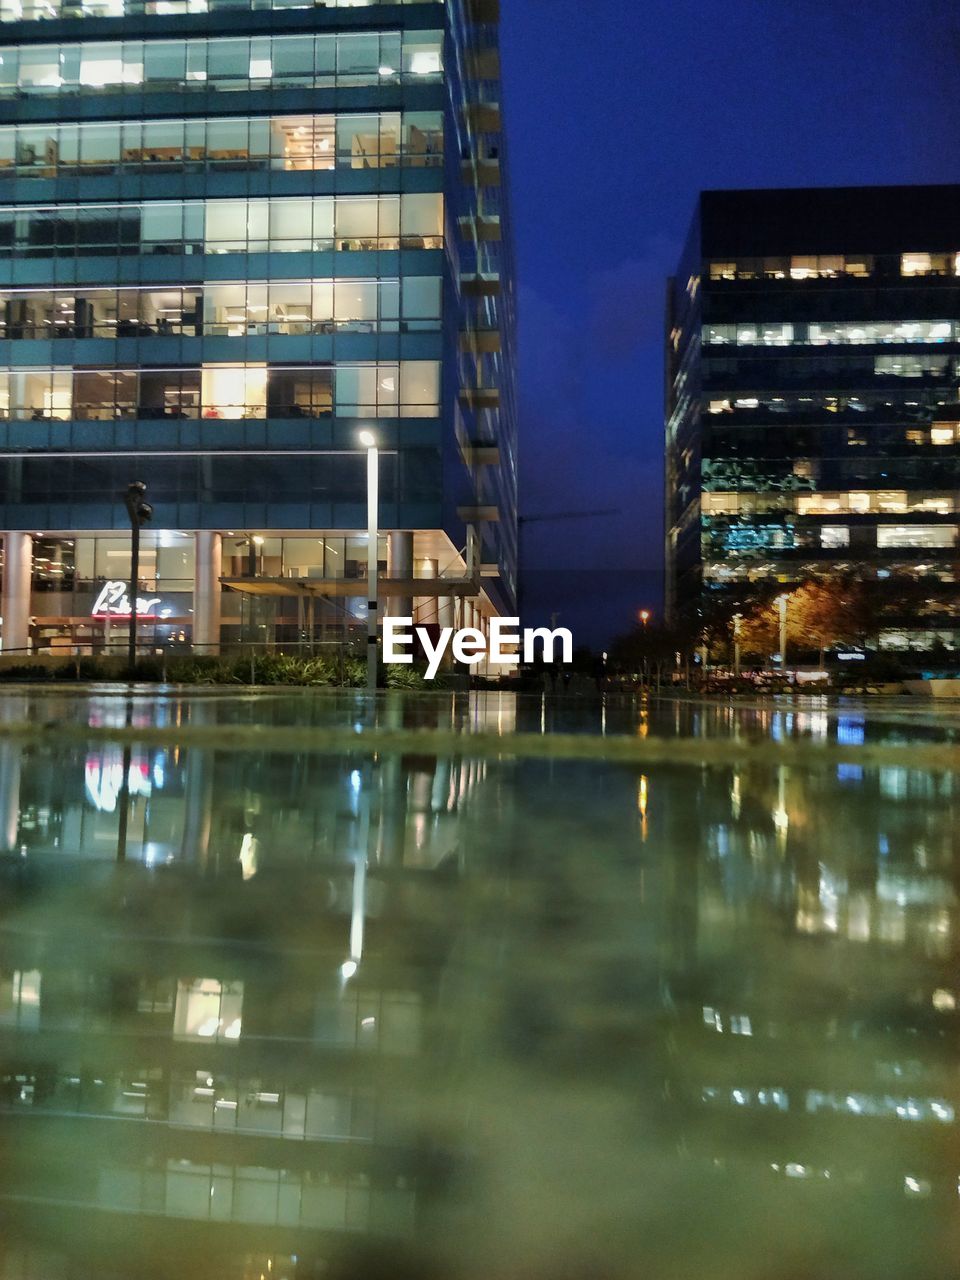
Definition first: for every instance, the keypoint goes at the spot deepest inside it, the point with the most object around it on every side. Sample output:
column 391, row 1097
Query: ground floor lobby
column 209, row 591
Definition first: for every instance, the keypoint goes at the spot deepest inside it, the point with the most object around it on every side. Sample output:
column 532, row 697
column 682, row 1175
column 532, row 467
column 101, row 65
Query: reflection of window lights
column 918, row 535
column 208, row 1009
column 20, row 999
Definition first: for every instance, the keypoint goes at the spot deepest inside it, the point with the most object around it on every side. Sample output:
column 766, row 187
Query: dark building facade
column 813, row 361
column 232, row 235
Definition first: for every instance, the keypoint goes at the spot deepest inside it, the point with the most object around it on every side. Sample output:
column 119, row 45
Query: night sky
column 618, row 112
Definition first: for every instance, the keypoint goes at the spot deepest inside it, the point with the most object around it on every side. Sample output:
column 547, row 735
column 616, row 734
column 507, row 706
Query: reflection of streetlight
column 369, row 442
column 254, row 544
column 139, row 512
column 781, row 603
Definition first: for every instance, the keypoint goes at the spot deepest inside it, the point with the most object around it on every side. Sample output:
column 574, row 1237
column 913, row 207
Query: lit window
column 928, row 264
column 918, row 535
column 943, row 435
column 723, row 271
column 914, row 264
column 833, row 536
column 803, row 267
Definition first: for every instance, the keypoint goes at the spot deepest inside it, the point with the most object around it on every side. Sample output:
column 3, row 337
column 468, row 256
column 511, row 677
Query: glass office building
column 813, row 355
column 232, row 235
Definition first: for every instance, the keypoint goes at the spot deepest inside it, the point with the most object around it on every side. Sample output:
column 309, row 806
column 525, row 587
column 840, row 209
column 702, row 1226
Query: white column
column 17, row 570
column 400, row 565
column 206, row 591
column 445, row 612
column 425, row 607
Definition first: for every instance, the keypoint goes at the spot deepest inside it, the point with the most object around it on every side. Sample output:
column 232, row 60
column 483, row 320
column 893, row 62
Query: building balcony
column 483, row 10
column 485, row 340
column 481, row 227
column 474, row 515
column 481, row 172
column 480, row 397
column 484, row 64
column 480, row 453
column 483, row 117
column 481, row 284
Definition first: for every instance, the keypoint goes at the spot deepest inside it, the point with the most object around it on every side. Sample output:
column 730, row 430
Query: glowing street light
column 781, row 603
column 644, row 616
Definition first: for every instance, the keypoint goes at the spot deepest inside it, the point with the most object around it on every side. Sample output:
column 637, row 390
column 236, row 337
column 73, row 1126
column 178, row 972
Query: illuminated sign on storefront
column 113, row 601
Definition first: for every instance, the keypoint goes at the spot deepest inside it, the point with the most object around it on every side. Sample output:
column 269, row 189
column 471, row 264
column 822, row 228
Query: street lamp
column 369, row 442
column 737, row 619
column 782, row 608
column 644, row 617
column 139, row 512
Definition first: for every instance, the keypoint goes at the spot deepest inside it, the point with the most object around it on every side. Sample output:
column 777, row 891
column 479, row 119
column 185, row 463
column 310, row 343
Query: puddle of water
column 270, row 1008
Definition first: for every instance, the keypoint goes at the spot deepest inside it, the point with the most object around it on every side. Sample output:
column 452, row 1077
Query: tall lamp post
column 782, row 609
column 737, row 619
column 369, row 441
column 139, row 512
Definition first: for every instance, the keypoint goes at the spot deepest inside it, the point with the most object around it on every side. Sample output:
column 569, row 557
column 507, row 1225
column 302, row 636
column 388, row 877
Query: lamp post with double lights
column 369, row 442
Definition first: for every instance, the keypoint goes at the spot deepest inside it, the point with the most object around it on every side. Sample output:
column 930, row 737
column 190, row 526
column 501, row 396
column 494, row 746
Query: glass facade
column 215, row 294
column 255, row 144
column 183, row 227
column 221, row 64
column 783, row 414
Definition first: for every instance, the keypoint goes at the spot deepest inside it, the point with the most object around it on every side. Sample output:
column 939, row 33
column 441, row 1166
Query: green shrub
column 405, row 677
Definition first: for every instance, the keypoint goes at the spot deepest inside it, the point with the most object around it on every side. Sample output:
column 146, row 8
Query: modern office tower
column 234, row 234
column 813, row 361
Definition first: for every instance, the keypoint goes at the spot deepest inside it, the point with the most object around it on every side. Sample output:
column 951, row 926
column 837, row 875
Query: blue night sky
column 618, row 113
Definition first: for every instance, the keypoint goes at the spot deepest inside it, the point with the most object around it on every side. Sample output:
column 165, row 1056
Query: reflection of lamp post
column 782, row 608
column 253, row 553
column 369, row 441
column 737, row 618
column 139, row 512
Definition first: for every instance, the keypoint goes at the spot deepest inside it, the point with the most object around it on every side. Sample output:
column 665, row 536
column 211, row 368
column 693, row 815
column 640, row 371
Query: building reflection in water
column 327, row 1002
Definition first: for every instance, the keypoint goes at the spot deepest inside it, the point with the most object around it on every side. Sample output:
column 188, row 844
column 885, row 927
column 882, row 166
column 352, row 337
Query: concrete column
column 15, row 602
column 473, row 550
column 400, row 565
column 426, row 606
column 445, row 611
column 206, row 591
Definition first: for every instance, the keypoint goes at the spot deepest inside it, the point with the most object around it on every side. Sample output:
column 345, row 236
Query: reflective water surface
column 277, row 1014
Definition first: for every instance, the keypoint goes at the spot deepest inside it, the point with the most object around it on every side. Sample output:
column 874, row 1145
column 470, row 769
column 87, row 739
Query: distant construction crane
column 542, row 517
